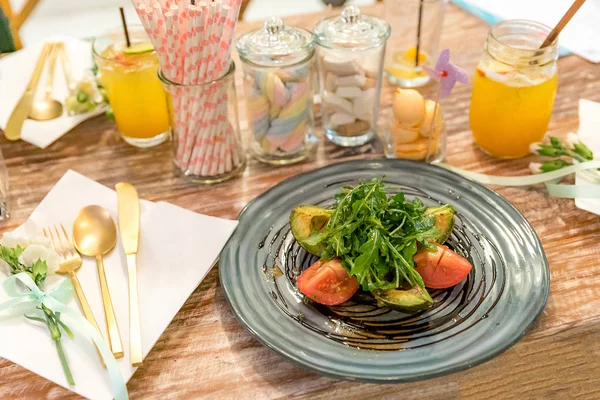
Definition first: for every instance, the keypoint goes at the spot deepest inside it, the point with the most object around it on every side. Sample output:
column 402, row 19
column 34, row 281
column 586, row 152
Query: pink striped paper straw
column 210, row 29
column 210, row 117
column 205, row 141
column 217, row 30
column 198, row 141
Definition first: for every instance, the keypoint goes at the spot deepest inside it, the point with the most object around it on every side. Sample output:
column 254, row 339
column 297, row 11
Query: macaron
column 425, row 127
column 409, row 107
column 416, row 150
column 417, row 146
column 412, row 155
column 402, row 134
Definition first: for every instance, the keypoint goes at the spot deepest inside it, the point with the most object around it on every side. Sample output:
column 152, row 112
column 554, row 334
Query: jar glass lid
column 276, row 44
column 352, row 30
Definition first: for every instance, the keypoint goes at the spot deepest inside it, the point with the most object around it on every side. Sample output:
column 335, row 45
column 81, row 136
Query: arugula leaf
column 376, row 236
column 369, row 254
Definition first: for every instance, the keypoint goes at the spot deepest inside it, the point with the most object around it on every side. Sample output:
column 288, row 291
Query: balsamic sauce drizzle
column 361, row 323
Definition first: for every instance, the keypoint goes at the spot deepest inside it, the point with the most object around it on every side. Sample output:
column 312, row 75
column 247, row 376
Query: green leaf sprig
column 376, row 236
column 573, row 148
column 38, row 272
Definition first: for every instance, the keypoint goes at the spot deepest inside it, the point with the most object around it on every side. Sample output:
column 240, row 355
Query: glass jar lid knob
column 351, row 14
column 274, row 25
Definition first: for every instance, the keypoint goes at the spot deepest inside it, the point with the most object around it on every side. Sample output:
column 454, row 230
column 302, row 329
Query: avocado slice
column 306, row 220
column 407, row 301
column 444, row 221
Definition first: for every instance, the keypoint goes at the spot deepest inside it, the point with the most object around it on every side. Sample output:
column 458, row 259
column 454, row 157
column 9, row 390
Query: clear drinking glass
column 416, row 33
column 133, row 89
column 416, row 129
column 278, row 79
column 350, row 52
column 514, row 88
column 205, row 127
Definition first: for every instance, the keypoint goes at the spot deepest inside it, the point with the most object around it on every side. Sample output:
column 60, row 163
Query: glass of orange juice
column 136, row 96
column 416, row 32
column 514, row 88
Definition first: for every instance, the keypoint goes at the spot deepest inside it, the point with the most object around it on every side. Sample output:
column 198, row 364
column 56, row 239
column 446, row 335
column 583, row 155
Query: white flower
column 572, row 138
column 14, row 239
column 25, row 235
column 535, row 167
column 534, row 147
column 41, row 240
column 36, row 252
column 4, row 266
column 36, row 236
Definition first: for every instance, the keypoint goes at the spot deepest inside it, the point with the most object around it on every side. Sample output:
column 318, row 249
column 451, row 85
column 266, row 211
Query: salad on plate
column 380, row 243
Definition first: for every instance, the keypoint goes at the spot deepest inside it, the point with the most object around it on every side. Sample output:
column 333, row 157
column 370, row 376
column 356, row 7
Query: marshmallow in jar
column 277, row 65
column 350, row 54
column 417, row 128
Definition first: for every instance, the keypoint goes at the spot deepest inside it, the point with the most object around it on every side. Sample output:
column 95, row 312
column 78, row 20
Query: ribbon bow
column 61, row 293
column 56, row 300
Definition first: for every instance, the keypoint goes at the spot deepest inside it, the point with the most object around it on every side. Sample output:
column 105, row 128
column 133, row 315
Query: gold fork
column 70, row 261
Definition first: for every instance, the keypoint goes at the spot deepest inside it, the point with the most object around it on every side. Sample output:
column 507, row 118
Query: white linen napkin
column 177, row 249
column 15, row 71
column 589, row 132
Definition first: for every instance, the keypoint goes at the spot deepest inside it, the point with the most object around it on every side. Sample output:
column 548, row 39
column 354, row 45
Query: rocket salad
column 383, row 244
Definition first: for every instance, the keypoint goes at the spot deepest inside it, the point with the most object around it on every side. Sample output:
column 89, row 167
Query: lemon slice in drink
column 139, row 48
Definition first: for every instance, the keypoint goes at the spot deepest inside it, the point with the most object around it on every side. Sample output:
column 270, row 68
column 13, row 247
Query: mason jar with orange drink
column 135, row 94
column 514, row 88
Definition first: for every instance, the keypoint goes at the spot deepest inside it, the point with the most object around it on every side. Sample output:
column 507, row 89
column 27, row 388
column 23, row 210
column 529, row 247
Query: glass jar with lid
column 514, row 88
column 350, row 52
column 277, row 62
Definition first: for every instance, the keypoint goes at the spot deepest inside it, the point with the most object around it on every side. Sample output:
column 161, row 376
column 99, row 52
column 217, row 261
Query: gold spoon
column 95, row 234
column 48, row 108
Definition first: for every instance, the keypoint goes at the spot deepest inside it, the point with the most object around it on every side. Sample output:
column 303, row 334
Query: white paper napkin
column 177, row 249
column 589, row 132
column 15, row 71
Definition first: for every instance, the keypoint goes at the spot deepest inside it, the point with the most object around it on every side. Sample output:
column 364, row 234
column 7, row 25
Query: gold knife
column 21, row 111
column 129, row 226
column 66, row 66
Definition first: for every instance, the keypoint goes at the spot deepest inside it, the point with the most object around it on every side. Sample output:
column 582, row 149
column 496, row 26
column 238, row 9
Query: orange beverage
column 513, row 90
column 136, row 96
column 413, row 21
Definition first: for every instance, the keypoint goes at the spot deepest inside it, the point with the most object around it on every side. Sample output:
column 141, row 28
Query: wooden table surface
column 205, row 353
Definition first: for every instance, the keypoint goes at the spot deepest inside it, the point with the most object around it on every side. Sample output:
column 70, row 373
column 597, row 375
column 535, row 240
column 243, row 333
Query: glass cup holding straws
column 205, row 125
column 193, row 43
column 416, row 32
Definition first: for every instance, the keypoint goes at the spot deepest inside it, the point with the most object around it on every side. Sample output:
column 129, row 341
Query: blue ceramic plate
column 469, row 324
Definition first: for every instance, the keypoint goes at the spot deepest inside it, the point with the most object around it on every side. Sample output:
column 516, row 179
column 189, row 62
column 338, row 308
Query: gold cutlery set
column 95, row 235
column 47, row 107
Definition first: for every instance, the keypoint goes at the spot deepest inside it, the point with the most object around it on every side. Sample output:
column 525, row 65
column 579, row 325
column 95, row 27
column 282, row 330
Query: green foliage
column 38, row 272
column 376, row 235
column 575, row 149
column 11, row 256
column 553, row 165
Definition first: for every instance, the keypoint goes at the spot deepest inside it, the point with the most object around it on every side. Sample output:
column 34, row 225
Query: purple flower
column 446, row 73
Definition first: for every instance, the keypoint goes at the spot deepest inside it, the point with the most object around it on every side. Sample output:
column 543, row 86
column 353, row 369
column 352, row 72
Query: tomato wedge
column 442, row 268
column 327, row 282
